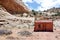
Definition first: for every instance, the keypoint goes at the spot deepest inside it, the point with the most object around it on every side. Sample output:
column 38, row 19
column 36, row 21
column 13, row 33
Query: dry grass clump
column 25, row 33
column 5, row 32
column 12, row 38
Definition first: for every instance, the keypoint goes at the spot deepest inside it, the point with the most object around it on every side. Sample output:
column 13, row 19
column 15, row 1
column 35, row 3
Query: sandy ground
column 55, row 35
column 35, row 35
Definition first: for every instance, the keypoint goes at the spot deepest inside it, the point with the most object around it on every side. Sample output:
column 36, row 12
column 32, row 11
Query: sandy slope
column 35, row 35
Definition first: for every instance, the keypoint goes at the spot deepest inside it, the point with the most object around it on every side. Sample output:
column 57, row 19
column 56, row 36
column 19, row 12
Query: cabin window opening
column 39, row 26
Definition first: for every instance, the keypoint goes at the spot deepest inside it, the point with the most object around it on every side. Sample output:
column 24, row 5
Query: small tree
column 34, row 13
column 40, row 13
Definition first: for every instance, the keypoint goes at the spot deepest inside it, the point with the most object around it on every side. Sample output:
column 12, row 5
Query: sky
column 41, row 4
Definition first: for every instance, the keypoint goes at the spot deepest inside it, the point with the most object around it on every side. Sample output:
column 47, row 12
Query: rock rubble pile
column 13, row 21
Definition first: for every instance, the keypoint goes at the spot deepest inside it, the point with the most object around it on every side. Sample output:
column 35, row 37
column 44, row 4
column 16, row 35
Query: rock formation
column 55, row 10
column 13, row 6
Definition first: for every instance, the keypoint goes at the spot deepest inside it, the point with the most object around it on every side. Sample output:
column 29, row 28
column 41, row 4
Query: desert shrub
column 5, row 32
column 25, row 33
column 12, row 38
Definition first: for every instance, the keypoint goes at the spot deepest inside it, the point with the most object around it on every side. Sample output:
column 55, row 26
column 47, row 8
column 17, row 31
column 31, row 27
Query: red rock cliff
column 12, row 7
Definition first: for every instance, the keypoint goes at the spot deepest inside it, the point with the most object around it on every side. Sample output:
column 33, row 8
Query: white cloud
column 45, row 4
column 30, row 1
column 28, row 6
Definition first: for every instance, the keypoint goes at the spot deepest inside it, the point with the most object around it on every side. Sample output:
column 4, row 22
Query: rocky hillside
column 9, row 20
column 53, row 10
column 13, row 6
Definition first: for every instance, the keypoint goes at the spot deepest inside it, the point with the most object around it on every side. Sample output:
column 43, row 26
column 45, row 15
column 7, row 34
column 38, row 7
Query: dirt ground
column 55, row 35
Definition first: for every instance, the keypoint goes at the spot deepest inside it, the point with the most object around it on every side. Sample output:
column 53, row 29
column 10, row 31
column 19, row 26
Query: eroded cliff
column 13, row 7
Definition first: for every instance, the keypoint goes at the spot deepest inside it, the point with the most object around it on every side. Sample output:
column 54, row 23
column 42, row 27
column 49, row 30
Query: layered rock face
column 22, row 4
column 13, row 6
